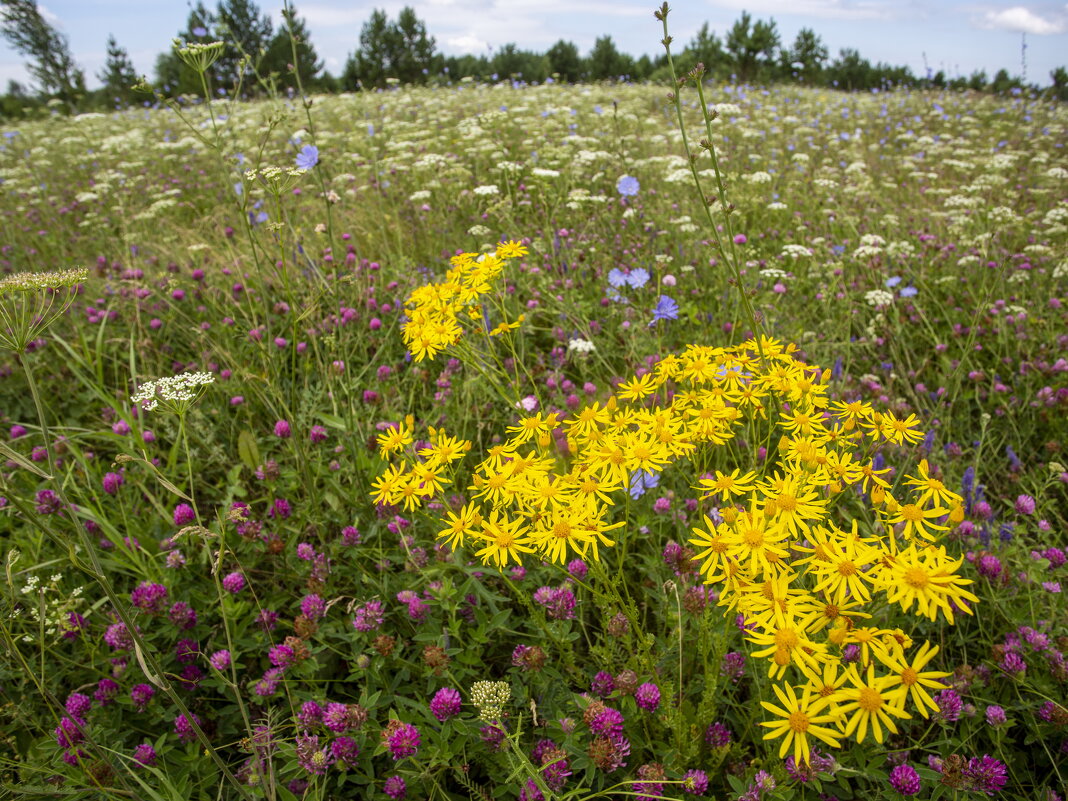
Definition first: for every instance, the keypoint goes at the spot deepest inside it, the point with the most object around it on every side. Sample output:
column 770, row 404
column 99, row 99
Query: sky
column 950, row 35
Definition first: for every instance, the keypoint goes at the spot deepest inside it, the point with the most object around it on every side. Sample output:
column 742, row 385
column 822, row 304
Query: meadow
column 475, row 442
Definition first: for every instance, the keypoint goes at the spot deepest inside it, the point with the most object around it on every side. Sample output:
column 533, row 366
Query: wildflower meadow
column 494, row 440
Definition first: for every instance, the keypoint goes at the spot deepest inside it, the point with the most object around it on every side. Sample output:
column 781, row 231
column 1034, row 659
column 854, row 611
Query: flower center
column 916, row 577
column 869, row 699
column 909, row 677
column 799, row 721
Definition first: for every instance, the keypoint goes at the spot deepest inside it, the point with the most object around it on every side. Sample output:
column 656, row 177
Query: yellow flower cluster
column 435, row 311
column 418, row 476
column 799, row 581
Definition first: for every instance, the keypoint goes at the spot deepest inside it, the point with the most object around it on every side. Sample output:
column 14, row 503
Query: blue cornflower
column 200, row 30
column 308, row 157
column 638, row 277
column 641, row 481
column 617, row 278
column 628, row 186
column 893, row 281
column 909, row 292
column 666, row 309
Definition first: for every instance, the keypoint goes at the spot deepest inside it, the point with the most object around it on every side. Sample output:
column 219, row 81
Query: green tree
column 369, row 65
column 279, row 61
column 705, row 48
column 977, row 81
column 807, row 55
column 752, row 49
column 1059, row 77
column 565, row 61
column 118, row 75
column 400, row 50
column 52, row 64
column 174, row 76
column 606, row 62
column 850, row 71
column 413, row 53
column 246, row 32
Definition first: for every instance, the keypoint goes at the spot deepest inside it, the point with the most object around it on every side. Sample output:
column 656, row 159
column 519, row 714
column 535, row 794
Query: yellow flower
column 395, row 438
column 918, row 521
column 933, row 489
column 511, row 250
column 756, row 542
column 874, row 703
column 727, row 484
column 505, row 539
column 799, row 718
column 386, row 485
column 795, row 503
column 638, row 388
column 715, row 545
column 915, row 679
column 928, row 578
column 468, row 522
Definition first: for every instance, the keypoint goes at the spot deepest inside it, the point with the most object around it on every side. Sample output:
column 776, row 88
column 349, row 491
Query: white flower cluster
column 795, row 252
column 581, row 346
column 879, row 297
column 175, row 389
column 487, row 189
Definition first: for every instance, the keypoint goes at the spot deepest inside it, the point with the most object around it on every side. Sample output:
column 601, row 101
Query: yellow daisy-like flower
column 638, row 388
column 915, row 679
column 727, row 484
column 874, row 702
column 918, row 520
column 932, row 488
column 506, row 538
column 468, row 522
column 799, row 719
column 711, row 547
column 511, row 250
column 929, row 579
column 396, row 438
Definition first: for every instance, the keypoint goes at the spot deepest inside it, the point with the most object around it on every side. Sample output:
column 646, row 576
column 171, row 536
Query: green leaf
column 332, row 421
column 22, row 461
column 248, row 450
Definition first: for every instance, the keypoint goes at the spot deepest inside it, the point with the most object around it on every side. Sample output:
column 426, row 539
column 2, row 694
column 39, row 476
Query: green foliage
column 399, row 50
column 752, row 47
column 52, row 64
column 118, row 74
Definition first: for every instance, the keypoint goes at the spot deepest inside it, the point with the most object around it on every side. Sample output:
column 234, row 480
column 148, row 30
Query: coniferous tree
column 175, row 76
column 806, row 55
column 247, row 34
column 753, row 49
column 400, row 50
column 118, row 75
column 279, row 60
column 52, row 64
column 413, row 57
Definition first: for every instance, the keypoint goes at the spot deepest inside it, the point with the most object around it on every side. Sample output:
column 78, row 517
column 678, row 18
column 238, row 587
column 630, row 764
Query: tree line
column 260, row 59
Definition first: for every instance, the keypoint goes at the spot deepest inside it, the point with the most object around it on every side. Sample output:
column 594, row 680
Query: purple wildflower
column 446, row 703
column 905, row 780
column 403, row 741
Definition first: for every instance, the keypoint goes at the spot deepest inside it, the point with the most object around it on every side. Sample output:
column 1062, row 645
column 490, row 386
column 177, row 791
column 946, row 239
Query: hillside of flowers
column 498, row 441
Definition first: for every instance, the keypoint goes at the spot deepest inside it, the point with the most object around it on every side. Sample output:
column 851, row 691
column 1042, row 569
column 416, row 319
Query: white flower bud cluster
column 490, row 698
column 35, row 282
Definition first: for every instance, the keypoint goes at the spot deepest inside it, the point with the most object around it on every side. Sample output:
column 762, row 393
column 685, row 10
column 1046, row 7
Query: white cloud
column 467, row 44
column 1022, row 20
column 49, row 16
column 827, row 9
